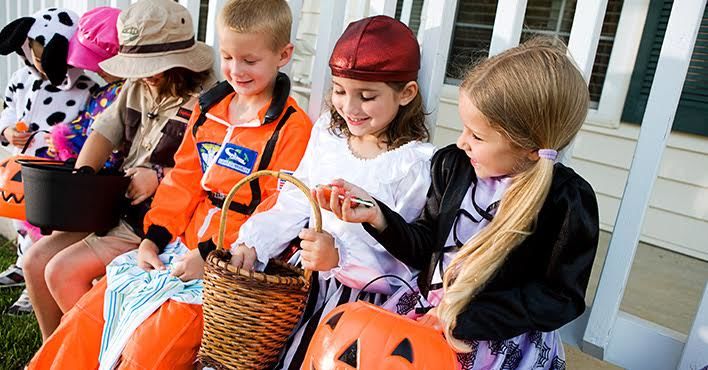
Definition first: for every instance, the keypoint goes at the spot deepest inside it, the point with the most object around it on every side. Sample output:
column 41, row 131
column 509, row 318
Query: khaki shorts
column 117, row 241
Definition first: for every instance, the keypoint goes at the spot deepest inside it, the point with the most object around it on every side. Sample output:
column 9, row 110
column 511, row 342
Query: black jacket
column 541, row 286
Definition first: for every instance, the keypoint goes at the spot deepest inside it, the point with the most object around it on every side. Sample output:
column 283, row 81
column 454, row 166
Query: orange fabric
column 76, row 342
column 175, row 347
column 181, row 204
column 170, row 337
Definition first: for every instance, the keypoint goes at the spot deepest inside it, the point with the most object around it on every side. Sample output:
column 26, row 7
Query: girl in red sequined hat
column 374, row 135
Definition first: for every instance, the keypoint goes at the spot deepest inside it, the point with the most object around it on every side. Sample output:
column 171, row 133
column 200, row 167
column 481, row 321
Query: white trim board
column 636, row 344
column 672, row 66
column 695, row 352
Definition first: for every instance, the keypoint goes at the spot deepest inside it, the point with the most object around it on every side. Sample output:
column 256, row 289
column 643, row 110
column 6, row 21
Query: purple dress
column 531, row 350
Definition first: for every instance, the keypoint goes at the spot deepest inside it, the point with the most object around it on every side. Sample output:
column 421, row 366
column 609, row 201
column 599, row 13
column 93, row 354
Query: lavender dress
column 531, row 350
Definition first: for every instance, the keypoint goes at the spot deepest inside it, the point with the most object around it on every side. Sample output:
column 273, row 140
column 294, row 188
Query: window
column 693, row 106
column 475, row 22
column 416, row 10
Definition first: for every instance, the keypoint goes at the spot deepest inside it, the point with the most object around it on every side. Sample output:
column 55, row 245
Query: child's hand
column 431, row 319
column 147, row 256
column 344, row 210
column 143, row 183
column 318, row 250
column 243, row 257
column 189, row 267
column 16, row 138
column 51, row 149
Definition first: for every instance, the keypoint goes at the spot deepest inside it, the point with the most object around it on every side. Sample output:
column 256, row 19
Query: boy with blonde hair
column 244, row 124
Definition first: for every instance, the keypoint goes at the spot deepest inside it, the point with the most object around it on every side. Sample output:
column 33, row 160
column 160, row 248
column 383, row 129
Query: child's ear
column 286, row 53
column 14, row 35
column 54, row 59
column 408, row 93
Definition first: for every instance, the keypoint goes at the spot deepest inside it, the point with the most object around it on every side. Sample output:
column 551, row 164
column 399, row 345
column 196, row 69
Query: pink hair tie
column 548, row 154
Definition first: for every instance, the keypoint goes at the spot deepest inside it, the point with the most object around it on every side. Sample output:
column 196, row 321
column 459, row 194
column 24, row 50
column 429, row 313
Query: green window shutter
column 692, row 112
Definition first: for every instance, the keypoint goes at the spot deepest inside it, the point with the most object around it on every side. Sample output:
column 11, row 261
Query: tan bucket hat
column 154, row 36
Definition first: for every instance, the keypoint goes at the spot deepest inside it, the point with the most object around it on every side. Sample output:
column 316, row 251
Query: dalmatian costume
column 39, row 102
column 42, row 103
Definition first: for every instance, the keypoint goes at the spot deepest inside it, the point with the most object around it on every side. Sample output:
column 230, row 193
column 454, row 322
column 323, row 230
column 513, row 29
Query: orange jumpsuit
column 187, row 204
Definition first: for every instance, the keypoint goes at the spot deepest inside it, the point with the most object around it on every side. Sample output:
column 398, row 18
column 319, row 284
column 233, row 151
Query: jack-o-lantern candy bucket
column 359, row 335
column 60, row 197
column 249, row 315
column 12, row 189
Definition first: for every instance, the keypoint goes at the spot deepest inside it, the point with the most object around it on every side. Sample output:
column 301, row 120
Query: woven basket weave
column 248, row 315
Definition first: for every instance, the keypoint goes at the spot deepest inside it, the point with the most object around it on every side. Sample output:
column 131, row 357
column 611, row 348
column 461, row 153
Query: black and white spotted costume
column 39, row 102
column 42, row 103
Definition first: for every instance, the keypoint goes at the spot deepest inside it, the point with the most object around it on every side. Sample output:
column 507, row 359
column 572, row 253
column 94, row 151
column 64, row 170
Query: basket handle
column 280, row 175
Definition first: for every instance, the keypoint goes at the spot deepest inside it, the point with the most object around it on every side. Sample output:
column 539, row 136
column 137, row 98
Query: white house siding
column 677, row 218
column 678, row 215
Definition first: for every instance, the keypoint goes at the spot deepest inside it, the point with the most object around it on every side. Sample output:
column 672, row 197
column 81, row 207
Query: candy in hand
column 355, row 201
column 21, row 126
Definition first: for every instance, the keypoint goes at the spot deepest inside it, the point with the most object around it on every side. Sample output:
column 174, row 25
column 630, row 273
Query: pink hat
column 95, row 40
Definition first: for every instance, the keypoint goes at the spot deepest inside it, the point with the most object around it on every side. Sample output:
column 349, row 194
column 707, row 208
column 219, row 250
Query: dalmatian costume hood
column 39, row 102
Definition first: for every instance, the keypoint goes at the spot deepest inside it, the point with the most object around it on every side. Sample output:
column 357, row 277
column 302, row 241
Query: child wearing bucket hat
column 166, row 69
column 41, row 94
column 374, row 134
column 244, row 124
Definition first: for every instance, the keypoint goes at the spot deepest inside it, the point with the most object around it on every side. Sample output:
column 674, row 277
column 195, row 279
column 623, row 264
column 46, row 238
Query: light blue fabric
column 133, row 294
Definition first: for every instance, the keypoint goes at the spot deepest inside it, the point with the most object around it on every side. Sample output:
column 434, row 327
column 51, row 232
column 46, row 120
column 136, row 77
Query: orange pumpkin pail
column 359, row 335
column 11, row 188
column 12, row 191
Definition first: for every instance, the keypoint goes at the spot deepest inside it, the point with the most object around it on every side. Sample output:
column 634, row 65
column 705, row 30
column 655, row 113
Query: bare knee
column 37, row 258
column 44, row 250
column 58, row 272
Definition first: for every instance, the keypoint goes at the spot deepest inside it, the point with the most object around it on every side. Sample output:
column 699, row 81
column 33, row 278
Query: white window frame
column 608, row 112
column 620, row 66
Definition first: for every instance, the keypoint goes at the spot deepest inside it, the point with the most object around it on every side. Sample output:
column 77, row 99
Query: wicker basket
column 248, row 315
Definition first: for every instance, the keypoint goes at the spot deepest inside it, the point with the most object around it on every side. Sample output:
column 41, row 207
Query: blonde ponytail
column 481, row 257
column 535, row 96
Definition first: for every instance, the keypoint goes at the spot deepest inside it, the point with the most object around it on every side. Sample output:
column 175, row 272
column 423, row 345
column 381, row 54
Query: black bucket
column 57, row 197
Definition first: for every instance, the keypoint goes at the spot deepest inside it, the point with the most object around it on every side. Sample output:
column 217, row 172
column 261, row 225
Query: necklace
column 154, row 105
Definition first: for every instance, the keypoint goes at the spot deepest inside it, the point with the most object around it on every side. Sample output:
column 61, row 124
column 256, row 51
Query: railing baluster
column 330, row 28
column 507, row 25
column 385, row 7
column 436, row 34
column 212, row 38
column 674, row 58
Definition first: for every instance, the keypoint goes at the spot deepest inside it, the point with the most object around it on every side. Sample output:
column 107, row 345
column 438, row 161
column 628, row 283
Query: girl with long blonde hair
column 508, row 236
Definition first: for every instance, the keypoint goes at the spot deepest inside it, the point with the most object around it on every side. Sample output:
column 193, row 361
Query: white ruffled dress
column 400, row 178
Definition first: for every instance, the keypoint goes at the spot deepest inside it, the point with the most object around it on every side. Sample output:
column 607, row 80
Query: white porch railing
column 604, row 331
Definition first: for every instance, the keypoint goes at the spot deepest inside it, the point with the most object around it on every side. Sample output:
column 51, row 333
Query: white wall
column 677, row 218
column 678, row 215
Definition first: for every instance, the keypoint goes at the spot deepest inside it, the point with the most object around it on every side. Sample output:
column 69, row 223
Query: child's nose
column 461, row 142
column 236, row 68
column 351, row 106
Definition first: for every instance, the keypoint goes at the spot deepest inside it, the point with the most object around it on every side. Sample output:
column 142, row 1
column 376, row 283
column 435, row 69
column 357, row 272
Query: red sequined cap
column 377, row 48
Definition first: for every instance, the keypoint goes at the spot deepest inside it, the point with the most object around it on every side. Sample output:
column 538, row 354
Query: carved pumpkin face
column 12, row 203
column 360, row 335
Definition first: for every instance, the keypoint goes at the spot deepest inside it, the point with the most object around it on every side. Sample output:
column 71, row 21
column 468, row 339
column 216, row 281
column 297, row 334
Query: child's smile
column 491, row 153
column 357, row 121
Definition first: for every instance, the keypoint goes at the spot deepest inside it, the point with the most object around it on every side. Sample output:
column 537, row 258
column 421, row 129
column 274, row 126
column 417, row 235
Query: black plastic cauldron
column 58, row 197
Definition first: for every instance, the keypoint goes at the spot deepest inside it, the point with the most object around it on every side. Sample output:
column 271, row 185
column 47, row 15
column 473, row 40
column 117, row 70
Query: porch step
column 577, row 360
